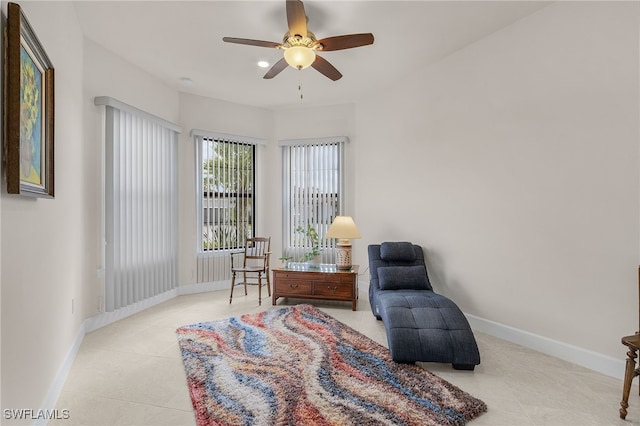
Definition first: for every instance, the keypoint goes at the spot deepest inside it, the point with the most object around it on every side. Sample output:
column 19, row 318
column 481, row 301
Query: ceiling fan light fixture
column 299, row 57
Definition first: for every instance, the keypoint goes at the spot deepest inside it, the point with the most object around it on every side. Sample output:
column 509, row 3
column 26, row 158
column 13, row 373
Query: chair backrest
column 257, row 248
column 393, row 254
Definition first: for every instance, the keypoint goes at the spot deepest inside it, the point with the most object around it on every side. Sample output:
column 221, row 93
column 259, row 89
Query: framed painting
column 29, row 90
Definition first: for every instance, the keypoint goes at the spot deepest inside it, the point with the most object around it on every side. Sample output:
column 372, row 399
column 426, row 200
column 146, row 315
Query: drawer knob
column 332, row 288
column 293, row 285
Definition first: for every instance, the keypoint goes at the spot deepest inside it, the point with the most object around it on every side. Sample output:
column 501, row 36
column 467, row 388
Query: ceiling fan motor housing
column 296, row 40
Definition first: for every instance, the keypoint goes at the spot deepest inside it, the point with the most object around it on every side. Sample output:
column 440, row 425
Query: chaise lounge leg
column 468, row 367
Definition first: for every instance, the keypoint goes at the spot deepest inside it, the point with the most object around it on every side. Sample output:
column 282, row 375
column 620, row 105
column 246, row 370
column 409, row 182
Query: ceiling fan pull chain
column 300, row 83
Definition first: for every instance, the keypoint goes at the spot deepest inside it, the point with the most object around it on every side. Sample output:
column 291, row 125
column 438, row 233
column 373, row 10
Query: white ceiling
column 175, row 39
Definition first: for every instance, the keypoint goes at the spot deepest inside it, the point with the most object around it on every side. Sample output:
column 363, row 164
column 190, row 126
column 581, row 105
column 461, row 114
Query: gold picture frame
column 29, row 118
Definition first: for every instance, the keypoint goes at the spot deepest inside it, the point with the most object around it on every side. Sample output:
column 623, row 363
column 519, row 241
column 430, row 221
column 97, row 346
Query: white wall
column 514, row 162
column 44, row 265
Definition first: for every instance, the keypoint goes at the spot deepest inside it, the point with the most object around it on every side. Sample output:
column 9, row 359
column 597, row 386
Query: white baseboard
column 55, row 389
column 106, row 318
column 604, row 364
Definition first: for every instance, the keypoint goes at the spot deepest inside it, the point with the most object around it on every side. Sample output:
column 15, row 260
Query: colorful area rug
column 300, row 366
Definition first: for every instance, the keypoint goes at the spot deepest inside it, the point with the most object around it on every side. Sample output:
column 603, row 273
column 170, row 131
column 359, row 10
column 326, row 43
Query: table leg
column 628, row 378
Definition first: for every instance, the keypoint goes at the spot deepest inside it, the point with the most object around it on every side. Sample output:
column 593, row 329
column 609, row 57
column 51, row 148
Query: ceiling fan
column 300, row 45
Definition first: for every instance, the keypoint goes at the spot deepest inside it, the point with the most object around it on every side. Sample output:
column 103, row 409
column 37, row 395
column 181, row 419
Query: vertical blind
column 141, row 217
column 313, row 192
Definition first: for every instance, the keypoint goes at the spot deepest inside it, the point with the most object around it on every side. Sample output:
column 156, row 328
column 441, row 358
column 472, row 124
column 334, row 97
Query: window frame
column 200, row 137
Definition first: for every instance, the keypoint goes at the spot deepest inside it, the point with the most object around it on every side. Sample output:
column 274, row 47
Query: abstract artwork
column 29, row 116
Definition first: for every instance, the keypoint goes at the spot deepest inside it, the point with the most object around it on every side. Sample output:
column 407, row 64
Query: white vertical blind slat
column 159, row 241
column 127, row 247
column 154, row 279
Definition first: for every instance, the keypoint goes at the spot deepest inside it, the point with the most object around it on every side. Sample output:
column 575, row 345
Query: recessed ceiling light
column 186, row 81
column 263, row 64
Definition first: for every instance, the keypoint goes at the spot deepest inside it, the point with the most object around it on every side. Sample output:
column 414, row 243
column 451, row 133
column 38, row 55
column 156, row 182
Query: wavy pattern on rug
column 299, row 366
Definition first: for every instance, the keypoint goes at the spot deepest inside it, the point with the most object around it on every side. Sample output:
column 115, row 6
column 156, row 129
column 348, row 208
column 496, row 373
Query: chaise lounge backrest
column 396, row 266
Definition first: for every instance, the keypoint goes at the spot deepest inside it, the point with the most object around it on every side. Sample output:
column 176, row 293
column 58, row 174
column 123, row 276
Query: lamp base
column 343, row 254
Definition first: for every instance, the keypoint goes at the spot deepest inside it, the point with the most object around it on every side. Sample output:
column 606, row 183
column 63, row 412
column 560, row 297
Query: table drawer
column 290, row 275
column 335, row 278
column 333, row 289
column 293, row 286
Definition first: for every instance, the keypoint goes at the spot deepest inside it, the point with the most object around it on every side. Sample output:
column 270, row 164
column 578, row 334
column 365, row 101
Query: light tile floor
column 131, row 372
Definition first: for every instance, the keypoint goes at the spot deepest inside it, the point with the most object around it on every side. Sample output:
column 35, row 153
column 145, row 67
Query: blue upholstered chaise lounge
column 421, row 324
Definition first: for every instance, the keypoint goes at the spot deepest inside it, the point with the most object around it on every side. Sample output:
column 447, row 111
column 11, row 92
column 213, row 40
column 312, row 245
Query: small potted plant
column 285, row 260
column 312, row 235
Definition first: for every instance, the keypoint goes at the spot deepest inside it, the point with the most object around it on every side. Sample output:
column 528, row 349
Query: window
column 313, row 192
column 227, row 180
column 225, row 200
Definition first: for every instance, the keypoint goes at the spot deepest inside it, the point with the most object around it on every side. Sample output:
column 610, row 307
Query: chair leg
column 259, row 288
column 245, row 283
column 233, row 283
column 629, row 374
column 268, row 284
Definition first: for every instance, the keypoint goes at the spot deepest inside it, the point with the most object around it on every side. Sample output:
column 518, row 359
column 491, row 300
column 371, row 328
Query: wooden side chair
column 631, row 371
column 253, row 263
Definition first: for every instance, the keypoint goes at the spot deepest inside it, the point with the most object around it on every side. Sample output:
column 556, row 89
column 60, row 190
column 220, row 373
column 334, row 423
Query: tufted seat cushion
column 425, row 326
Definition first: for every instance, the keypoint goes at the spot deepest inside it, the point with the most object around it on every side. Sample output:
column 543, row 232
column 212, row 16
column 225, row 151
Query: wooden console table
column 323, row 283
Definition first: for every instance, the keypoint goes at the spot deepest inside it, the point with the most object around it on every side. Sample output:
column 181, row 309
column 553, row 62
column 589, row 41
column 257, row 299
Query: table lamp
column 343, row 228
